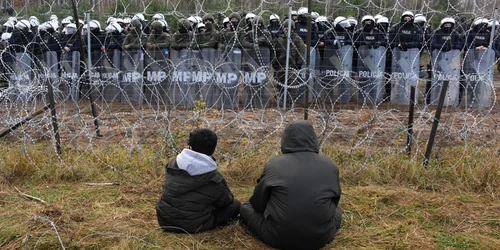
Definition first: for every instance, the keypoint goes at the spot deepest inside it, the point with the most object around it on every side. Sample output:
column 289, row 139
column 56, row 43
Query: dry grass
column 390, row 202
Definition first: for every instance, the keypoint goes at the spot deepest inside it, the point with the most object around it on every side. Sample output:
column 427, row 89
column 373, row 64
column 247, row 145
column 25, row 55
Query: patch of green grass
column 457, row 241
column 386, row 197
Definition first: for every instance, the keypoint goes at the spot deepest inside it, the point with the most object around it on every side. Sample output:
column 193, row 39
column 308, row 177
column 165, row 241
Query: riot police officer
column 405, row 34
column 183, row 38
column 275, row 26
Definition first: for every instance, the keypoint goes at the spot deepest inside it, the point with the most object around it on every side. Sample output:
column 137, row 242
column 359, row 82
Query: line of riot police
column 370, row 61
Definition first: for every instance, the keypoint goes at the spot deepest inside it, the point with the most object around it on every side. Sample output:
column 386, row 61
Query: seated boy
column 195, row 195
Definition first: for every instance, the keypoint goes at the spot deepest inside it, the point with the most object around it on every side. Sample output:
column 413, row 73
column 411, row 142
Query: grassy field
column 390, row 201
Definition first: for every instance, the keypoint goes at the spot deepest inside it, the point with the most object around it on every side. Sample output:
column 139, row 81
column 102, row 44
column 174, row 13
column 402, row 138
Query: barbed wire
column 237, row 82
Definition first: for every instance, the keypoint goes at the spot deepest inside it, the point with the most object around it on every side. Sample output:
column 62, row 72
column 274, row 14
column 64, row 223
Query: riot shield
column 21, row 79
column 203, row 68
column 256, row 70
column 314, row 57
column 110, row 76
column 405, row 68
column 96, row 58
column 478, row 72
column 7, row 64
column 50, row 74
column 333, row 78
column 227, row 76
column 70, row 75
column 156, row 71
column 370, row 70
column 132, row 80
column 445, row 67
column 184, row 88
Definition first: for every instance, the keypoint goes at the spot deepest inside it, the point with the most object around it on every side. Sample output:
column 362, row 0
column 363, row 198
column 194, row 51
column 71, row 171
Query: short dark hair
column 203, row 140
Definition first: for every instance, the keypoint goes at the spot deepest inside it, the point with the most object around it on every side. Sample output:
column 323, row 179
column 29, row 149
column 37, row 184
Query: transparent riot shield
column 312, row 66
column 227, row 76
column 405, row 68
column 95, row 85
column 7, row 63
column 21, row 81
column 203, row 68
column 445, row 67
column 132, row 79
column 110, row 76
column 333, row 78
column 370, row 71
column 183, row 89
column 256, row 70
column 50, row 73
column 156, row 72
column 70, row 75
column 478, row 72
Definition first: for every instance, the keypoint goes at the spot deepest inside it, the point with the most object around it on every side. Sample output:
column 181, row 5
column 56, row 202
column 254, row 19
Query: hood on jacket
column 136, row 23
column 208, row 17
column 285, row 24
column 195, row 163
column 299, row 136
column 156, row 27
column 183, row 26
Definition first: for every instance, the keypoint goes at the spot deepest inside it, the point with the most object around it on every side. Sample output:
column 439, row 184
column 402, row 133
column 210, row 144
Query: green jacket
column 135, row 41
column 207, row 39
column 229, row 39
column 256, row 38
column 297, row 52
column 181, row 40
column 158, row 41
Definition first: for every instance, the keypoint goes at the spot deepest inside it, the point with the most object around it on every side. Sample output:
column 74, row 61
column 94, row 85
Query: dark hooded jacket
column 192, row 192
column 298, row 193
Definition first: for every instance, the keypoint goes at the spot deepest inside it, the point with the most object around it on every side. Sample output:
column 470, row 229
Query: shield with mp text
column 227, row 76
column 110, row 76
column 255, row 70
column 132, row 79
column 70, row 75
column 156, row 70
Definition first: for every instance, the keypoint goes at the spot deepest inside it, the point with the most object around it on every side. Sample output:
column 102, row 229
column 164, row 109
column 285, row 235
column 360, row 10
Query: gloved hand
column 299, row 62
column 337, row 44
column 402, row 47
column 446, row 47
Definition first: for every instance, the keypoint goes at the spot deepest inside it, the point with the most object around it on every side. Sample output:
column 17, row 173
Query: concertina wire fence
column 358, row 93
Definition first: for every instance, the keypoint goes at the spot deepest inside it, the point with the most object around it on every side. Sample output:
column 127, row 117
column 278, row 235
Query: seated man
column 295, row 202
column 195, row 194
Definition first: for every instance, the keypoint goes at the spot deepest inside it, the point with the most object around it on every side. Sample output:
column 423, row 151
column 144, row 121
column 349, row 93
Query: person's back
column 295, row 202
column 195, row 195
